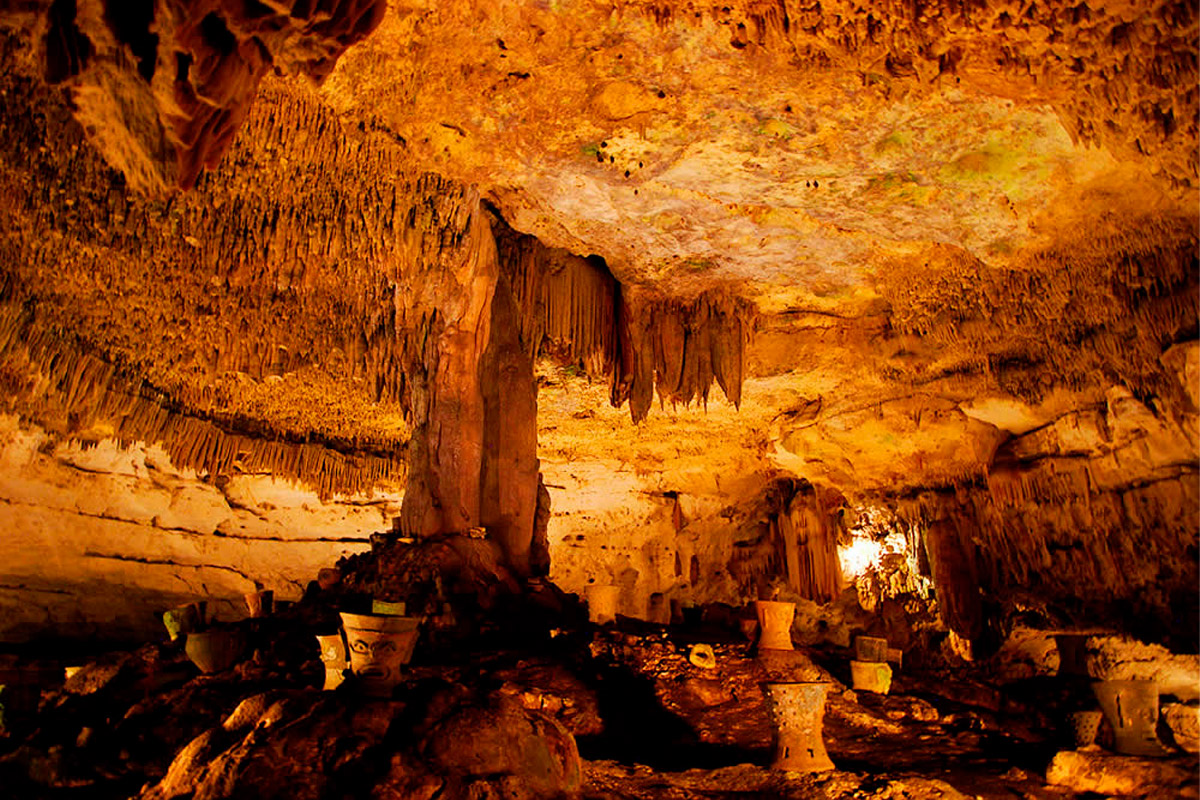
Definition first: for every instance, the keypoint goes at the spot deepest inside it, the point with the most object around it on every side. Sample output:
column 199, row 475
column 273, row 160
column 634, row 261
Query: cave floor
column 937, row 735
column 648, row 722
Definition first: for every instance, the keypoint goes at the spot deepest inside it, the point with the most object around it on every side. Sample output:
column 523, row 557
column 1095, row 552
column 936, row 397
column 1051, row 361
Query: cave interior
column 527, row 399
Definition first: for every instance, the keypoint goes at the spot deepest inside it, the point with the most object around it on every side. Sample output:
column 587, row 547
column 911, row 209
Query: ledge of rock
column 129, row 534
column 1104, row 773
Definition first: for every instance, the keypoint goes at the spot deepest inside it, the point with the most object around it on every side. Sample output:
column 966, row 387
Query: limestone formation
column 366, row 302
column 162, row 87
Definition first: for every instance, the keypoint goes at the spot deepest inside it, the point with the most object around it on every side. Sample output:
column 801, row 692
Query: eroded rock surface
column 943, row 263
column 162, row 87
column 129, row 535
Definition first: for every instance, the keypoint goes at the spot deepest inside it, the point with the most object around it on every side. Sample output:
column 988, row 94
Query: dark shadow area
column 638, row 730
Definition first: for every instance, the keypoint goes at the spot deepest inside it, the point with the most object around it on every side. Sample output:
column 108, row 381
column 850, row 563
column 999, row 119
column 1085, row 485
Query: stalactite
column 169, row 128
column 573, row 308
column 219, row 301
column 56, row 380
column 797, row 547
column 1037, row 532
column 1104, row 303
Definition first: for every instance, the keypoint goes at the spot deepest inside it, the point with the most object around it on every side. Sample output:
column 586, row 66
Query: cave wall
column 1089, row 520
column 655, row 507
column 1080, row 511
column 615, row 527
column 95, row 542
column 895, row 358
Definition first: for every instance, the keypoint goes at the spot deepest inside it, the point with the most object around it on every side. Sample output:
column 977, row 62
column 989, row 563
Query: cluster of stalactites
column 569, row 306
column 1107, row 302
column 46, row 379
column 292, row 316
column 794, row 544
column 1046, row 538
column 677, row 348
column 573, row 308
column 162, row 87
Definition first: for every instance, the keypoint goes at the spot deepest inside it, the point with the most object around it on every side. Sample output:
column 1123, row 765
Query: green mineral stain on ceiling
column 1013, row 168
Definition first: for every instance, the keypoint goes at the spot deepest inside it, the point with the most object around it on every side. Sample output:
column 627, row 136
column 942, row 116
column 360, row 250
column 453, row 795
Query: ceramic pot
column 328, row 577
column 1084, row 727
column 1131, row 707
column 871, row 676
column 870, row 648
column 213, row 651
column 261, row 604
column 335, row 658
column 775, row 622
column 380, row 645
column 388, row 607
column 798, row 713
column 182, row 620
column 602, row 600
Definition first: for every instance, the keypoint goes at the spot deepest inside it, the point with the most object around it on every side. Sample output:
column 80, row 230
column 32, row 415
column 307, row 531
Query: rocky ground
column 531, row 701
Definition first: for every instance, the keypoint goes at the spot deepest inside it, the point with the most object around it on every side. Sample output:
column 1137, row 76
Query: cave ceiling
column 955, row 222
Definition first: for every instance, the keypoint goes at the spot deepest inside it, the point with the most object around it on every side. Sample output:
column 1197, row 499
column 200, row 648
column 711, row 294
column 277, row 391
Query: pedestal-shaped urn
column 798, row 714
column 775, row 623
column 1084, row 725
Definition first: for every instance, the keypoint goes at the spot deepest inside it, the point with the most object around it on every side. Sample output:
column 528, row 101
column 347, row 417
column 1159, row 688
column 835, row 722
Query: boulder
column 1094, row 770
column 1182, row 722
column 501, row 739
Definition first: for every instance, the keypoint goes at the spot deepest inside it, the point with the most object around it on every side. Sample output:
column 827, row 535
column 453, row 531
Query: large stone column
column 473, row 460
column 955, row 579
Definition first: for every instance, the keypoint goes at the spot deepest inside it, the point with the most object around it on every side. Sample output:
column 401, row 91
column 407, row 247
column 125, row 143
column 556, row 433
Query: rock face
column 1103, row 773
column 471, row 750
column 163, row 87
column 943, row 264
column 97, row 540
column 537, row 754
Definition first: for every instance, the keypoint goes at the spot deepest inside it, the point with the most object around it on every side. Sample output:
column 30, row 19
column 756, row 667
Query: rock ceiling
column 955, row 222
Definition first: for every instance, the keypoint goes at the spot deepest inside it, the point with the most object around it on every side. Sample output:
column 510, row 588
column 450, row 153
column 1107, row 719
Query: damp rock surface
column 1104, row 773
column 505, row 707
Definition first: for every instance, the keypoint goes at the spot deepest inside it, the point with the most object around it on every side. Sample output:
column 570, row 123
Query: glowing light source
column 865, row 553
column 879, row 558
column 859, row 556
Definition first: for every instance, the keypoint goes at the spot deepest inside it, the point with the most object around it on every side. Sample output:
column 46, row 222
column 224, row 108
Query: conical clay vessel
column 603, row 601
column 379, row 647
column 1131, row 707
column 775, row 622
